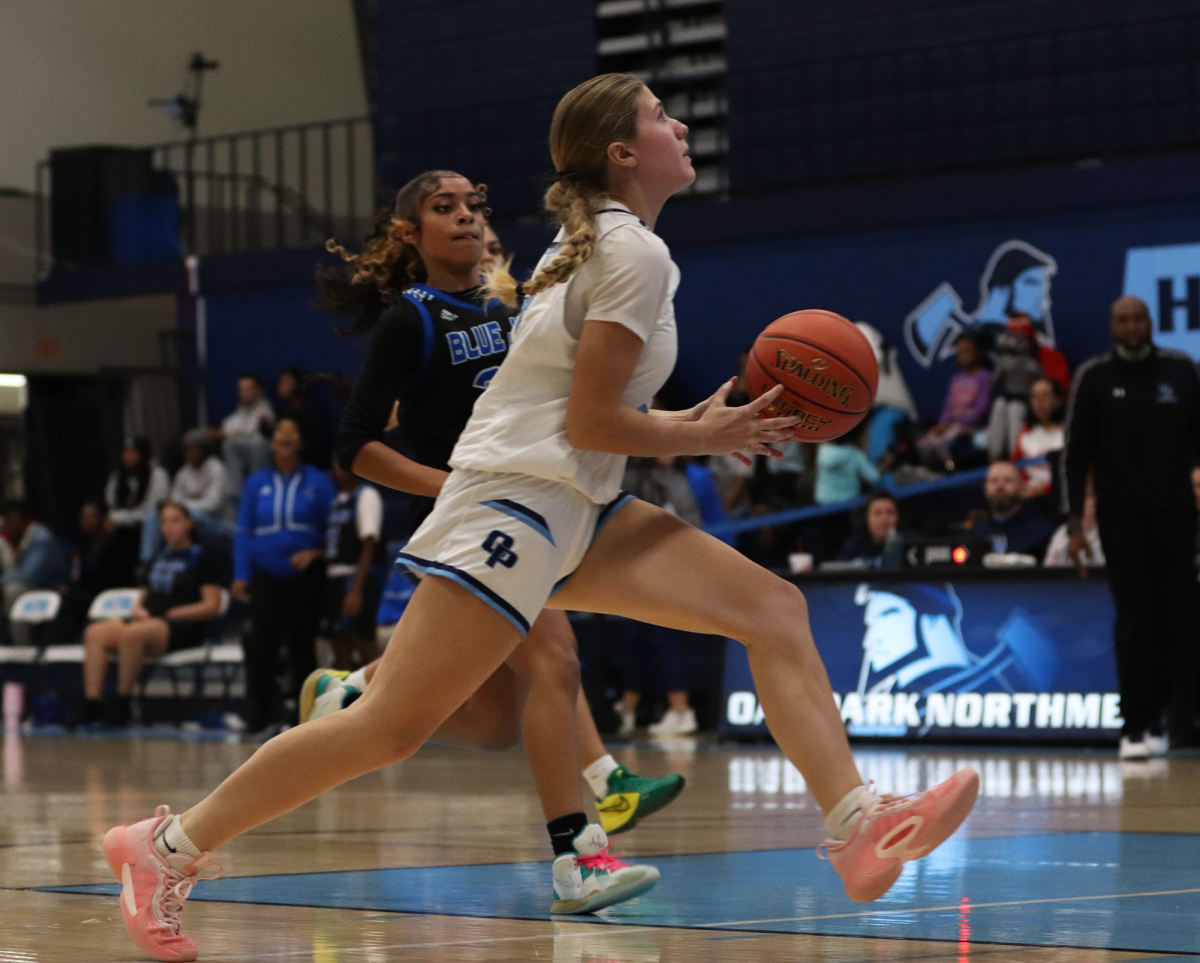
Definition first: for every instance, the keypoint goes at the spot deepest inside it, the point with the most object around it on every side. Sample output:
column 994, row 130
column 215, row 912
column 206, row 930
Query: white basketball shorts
column 510, row 540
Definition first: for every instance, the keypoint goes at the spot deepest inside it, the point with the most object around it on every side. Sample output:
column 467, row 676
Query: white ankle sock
column 358, row 679
column 597, row 775
column 171, row 839
column 842, row 819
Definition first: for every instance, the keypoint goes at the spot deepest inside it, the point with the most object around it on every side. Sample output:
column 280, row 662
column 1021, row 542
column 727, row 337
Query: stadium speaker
column 86, row 185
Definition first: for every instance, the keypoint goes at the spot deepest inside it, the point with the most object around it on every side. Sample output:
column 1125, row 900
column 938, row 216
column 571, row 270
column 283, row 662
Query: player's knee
column 778, row 615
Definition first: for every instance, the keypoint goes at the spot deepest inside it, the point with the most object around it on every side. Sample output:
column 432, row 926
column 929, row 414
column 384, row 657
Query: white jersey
column 519, row 423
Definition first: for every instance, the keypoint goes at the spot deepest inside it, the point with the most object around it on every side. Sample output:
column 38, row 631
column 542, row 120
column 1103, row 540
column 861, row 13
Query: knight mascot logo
column 1016, row 280
column 913, row 641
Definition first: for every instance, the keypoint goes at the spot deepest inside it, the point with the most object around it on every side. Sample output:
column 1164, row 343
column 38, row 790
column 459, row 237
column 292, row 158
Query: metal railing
column 256, row 190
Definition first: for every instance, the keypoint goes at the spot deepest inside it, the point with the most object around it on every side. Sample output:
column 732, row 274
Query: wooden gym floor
column 1069, row 857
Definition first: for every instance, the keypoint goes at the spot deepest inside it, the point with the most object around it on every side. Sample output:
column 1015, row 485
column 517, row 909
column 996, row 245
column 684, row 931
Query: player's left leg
column 647, row 564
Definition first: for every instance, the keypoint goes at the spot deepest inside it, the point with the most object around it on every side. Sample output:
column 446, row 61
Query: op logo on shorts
column 499, row 546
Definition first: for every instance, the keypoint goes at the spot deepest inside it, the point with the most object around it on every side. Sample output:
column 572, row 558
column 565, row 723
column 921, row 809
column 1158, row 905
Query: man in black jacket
column 1134, row 420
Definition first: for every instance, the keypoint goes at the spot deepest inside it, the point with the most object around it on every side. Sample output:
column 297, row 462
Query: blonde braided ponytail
column 586, row 121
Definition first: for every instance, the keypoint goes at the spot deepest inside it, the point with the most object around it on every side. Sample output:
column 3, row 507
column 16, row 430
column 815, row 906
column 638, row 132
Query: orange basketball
column 827, row 369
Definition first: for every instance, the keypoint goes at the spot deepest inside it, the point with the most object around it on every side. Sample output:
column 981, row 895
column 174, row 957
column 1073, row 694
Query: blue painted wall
column 730, row 292
column 266, row 331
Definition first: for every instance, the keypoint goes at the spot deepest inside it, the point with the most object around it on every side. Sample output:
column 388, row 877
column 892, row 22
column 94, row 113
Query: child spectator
column 1042, row 434
column 842, row 468
column 967, row 401
column 134, row 490
column 181, row 596
column 1013, row 374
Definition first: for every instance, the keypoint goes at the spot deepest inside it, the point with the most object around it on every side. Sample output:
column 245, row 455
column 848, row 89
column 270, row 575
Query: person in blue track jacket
column 278, row 565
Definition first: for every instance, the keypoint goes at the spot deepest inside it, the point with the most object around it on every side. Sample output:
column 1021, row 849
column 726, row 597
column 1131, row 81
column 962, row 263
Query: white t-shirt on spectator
column 247, row 420
column 520, row 422
column 201, row 489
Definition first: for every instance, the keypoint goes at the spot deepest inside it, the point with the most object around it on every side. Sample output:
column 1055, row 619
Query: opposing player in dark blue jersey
column 435, row 344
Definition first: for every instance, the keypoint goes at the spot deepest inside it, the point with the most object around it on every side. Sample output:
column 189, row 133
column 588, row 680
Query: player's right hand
column 726, row 430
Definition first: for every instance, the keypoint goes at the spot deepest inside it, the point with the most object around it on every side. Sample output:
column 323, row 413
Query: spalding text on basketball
column 811, row 373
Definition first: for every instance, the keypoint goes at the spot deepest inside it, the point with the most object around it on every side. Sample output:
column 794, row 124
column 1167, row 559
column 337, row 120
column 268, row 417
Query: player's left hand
column 352, row 604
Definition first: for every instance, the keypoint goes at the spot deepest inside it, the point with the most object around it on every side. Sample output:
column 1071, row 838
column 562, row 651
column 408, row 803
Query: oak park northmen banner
column 1010, row 659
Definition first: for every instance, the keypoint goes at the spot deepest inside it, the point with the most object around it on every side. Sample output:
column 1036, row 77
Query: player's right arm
column 599, row 420
column 392, row 355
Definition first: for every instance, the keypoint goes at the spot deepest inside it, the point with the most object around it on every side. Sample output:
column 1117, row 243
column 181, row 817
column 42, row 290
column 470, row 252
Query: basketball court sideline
column 1069, row 856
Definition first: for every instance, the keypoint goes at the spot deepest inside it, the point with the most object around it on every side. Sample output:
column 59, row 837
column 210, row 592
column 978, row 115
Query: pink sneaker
column 896, row 830
column 153, row 888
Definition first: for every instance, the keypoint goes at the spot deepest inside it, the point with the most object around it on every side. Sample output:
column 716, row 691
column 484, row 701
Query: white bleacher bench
column 35, row 607
column 113, row 604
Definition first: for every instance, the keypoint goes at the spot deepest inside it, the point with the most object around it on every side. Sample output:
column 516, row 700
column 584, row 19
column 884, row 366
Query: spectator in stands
column 949, row 443
column 100, row 562
column 1134, row 422
column 1053, row 362
column 181, row 596
column 199, row 485
column 279, row 566
column 843, row 468
column 876, row 540
column 1058, row 555
column 134, row 490
column 1013, row 373
column 30, row 558
column 1041, row 434
column 1012, row 524
column 294, row 403
column 354, row 566
column 243, row 434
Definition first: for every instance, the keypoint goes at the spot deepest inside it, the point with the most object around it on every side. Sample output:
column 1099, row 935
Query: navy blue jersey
column 176, row 576
column 434, row 353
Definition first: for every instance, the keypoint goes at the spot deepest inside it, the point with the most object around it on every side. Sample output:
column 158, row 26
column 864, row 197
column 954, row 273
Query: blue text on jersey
column 488, row 340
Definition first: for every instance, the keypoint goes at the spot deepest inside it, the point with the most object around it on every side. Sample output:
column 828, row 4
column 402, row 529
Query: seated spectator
column 294, row 403
column 1057, row 555
column 1042, row 434
column 732, row 476
column 1012, row 524
column 1015, row 369
column 243, row 434
column 181, row 595
column 100, row 562
column 354, row 567
column 1053, row 362
column 31, row 559
column 200, row 486
column 842, row 468
column 876, row 541
column 968, row 399
column 134, row 490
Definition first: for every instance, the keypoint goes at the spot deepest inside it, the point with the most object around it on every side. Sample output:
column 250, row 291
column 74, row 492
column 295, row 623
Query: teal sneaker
column 317, row 685
column 632, row 798
column 589, row 879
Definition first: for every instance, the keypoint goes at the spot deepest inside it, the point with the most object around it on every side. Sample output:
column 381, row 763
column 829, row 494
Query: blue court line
column 1134, row 892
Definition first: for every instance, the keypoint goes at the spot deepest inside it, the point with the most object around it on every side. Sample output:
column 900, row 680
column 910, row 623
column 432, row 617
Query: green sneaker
column 632, row 798
column 314, row 687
